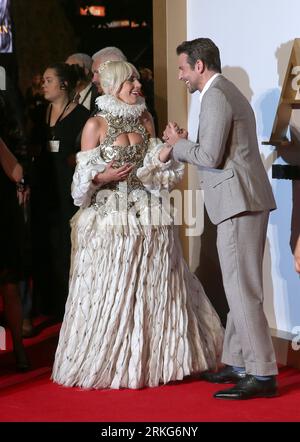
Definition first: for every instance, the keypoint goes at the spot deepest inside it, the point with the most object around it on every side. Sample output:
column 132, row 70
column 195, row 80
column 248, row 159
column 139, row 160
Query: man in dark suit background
column 86, row 91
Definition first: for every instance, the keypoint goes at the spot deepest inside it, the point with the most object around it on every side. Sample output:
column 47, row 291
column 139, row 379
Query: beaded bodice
column 134, row 154
column 121, row 118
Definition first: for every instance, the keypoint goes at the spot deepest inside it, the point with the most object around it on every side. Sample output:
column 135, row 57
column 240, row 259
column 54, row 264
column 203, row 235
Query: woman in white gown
column 135, row 315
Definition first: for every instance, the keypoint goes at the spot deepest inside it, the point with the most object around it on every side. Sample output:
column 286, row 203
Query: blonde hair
column 114, row 73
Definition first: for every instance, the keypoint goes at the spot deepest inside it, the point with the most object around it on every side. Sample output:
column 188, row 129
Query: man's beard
column 192, row 88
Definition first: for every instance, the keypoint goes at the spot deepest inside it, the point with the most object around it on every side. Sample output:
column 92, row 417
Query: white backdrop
column 255, row 40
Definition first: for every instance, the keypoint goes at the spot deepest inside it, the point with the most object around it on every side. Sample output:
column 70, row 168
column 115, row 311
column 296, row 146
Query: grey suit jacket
column 227, row 155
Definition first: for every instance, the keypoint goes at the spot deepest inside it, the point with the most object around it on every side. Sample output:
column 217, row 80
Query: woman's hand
column 165, row 153
column 112, row 174
column 171, row 135
column 23, row 194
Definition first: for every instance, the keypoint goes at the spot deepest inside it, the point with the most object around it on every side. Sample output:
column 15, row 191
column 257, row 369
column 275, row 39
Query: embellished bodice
column 133, row 154
column 148, row 178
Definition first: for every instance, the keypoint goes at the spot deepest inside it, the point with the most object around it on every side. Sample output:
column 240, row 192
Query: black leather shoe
column 249, row 388
column 225, row 376
column 23, row 367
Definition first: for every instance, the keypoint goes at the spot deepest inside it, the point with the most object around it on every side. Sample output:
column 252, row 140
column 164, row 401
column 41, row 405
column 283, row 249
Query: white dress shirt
column 85, row 97
column 206, row 87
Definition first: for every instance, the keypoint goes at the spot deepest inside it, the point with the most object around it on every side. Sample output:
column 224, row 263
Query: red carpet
column 32, row 397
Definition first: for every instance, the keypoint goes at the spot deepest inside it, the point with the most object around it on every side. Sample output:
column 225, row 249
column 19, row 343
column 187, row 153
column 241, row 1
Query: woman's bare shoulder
column 95, row 123
column 93, row 132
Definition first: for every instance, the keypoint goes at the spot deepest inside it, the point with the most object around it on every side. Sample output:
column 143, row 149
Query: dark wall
column 47, row 31
column 93, row 33
column 135, row 43
column 42, row 34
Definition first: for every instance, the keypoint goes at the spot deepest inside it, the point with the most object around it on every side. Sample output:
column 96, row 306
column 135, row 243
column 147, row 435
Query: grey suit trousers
column 240, row 244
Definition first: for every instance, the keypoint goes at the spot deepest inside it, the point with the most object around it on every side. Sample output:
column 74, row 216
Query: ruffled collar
column 117, row 108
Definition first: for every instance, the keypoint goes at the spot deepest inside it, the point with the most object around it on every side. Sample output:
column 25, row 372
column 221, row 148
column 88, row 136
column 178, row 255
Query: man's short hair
column 110, row 53
column 203, row 49
column 83, row 60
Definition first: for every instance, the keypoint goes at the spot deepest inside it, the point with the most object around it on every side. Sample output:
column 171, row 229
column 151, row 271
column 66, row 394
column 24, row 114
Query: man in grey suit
column 238, row 199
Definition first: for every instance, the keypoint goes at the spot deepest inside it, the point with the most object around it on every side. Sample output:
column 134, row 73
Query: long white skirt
column 135, row 315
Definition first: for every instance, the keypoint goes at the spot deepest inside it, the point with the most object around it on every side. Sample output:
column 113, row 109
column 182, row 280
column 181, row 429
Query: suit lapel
column 215, row 81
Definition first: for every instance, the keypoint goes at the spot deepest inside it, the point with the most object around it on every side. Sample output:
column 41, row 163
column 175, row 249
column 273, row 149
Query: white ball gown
column 135, row 315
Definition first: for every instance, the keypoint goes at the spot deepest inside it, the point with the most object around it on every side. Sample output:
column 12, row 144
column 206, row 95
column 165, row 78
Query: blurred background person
column 11, row 250
column 86, row 91
column 146, row 79
column 110, row 53
column 14, row 135
column 52, row 205
column 35, row 105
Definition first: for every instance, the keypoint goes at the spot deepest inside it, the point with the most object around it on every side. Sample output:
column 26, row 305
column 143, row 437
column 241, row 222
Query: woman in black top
column 52, row 205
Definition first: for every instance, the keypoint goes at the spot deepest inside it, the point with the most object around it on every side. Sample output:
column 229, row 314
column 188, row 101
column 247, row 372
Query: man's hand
column 173, row 133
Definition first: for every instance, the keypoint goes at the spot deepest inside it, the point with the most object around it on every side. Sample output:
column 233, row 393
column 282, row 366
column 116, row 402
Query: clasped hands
column 173, row 133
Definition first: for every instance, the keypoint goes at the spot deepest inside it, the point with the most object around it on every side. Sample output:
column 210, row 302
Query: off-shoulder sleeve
column 156, row 175
column 88, row 164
